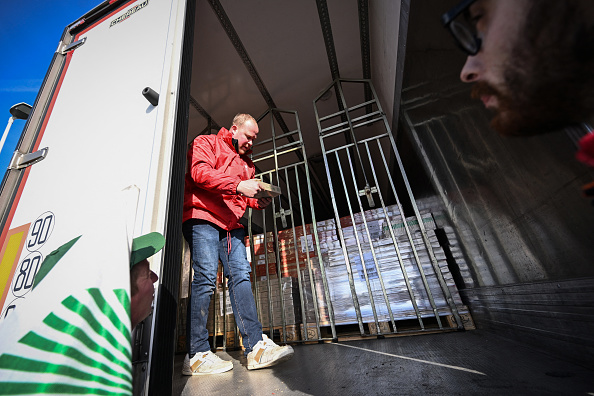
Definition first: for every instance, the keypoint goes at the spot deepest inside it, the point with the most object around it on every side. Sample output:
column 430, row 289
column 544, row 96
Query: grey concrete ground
column 456, row 363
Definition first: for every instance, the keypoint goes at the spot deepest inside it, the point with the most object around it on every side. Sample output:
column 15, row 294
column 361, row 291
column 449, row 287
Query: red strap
column 228, row 243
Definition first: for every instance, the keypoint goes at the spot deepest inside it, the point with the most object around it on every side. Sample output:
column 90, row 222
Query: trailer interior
column 394, row 188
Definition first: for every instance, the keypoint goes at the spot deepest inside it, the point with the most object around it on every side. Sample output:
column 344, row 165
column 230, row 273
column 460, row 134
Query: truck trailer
column 412, row 250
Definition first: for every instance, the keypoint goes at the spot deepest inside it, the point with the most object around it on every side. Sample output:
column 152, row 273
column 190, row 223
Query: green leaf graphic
column 77, row 363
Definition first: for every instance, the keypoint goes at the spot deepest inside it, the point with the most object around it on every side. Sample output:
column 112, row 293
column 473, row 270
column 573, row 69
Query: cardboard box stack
column 220, row 311
column 260, row 253
column 308, row 294
column 294, row 251
column 389, row 267
column 288, row 291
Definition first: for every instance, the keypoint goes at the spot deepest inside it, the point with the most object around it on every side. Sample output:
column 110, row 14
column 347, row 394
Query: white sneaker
column 266, row 353
column 205, row 363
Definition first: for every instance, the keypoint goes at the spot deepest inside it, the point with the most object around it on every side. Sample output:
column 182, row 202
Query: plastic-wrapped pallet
column 308, row 294
column 386, row 260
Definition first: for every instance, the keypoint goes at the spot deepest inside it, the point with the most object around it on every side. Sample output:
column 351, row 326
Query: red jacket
column 214, row 171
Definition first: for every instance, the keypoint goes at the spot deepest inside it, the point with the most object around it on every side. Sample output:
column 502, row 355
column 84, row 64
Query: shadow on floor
column 457, row 363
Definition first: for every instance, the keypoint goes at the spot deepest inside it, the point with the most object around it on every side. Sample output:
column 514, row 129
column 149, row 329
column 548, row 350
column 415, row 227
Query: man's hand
column 249, row 188
column 264, row 202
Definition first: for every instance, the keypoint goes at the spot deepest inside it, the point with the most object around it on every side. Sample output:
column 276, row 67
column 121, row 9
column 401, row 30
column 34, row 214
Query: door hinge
column 22, row 160
column 64, row 49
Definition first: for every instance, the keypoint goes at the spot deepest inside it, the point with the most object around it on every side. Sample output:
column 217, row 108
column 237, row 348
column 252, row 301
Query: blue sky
column 29, row 34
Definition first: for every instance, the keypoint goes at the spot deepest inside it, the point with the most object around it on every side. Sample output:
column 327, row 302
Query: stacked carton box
column 295, row 248
column 378, row 235
column 311, row 287
column 220, row 312
column 262, row 252
column 297, row 251
column 288, row 291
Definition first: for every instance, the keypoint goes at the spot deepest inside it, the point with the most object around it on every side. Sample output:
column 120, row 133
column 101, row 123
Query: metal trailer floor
column 456, row 363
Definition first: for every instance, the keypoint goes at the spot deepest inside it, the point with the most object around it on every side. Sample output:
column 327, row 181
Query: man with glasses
column 531, row 61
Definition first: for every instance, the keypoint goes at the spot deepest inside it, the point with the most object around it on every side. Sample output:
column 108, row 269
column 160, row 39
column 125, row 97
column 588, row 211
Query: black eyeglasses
column 463, row 32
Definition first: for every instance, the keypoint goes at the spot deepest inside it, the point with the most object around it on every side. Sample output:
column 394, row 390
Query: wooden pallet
column 347, row 332
column 292, row 333
column 296, row 333
column 467, row 321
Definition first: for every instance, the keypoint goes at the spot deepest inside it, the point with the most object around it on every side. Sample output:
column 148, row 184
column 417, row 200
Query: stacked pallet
column 376, row 240
column 313, row 288
column 382, row 248
column 295, row 247
column 288, row 292
column 263, row 252
column 450, row 240
column 220, row 313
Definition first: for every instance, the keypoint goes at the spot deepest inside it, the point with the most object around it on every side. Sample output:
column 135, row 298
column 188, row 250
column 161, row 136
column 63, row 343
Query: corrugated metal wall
column 526, row 230
column 515, row 203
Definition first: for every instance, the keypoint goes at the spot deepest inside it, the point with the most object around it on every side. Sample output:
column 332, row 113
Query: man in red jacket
column 220, row 185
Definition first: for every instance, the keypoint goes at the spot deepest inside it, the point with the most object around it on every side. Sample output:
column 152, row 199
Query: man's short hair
column 241, row 118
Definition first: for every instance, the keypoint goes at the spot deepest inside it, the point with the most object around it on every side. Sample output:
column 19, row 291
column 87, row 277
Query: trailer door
column 104, row 121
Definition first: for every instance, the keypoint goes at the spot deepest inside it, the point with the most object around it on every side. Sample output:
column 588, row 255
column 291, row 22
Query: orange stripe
column 9, row 258
column 259, row 355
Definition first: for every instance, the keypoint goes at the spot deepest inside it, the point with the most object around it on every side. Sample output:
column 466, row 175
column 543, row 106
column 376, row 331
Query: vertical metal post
column 348, row 124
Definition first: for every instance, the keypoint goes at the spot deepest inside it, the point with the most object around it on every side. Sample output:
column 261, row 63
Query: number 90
column 40, row 231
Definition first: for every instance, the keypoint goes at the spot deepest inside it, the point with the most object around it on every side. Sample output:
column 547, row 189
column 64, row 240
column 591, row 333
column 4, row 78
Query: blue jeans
column 208, row 244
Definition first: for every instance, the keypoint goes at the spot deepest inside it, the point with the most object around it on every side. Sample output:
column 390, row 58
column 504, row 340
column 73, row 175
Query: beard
column 509, row 117
column 549, row 78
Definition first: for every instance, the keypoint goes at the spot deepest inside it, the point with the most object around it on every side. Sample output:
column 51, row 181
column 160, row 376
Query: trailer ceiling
column 253, row 55
column 250, row 56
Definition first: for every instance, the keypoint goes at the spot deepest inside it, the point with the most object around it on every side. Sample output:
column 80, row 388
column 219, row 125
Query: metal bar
column 436, row 268
column 442, row 193
column 290, row 145
column 291, row 165
column 341, row 112
column 371, row 248
column 400, row 261
column 269, row 288
column 278, row 262
column 400, row 60
column 346, row 255
column 353, row 138
column 359, row 142
column 308, row 264
column 328, row 39
column 359, row 248
column 369, row 115
column 333, row 133
column 295, row 245
column 322, row 273
column 284, row 135
column 353, row 127
column 339, row 228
